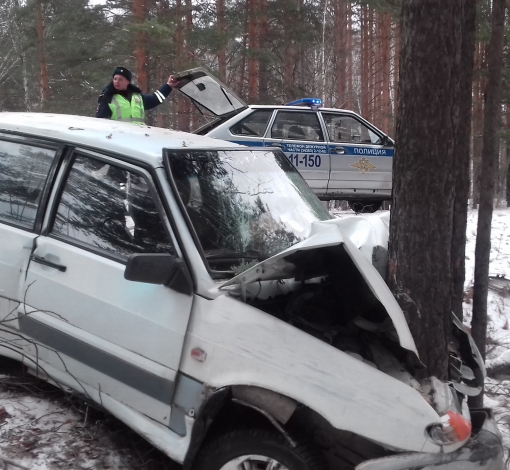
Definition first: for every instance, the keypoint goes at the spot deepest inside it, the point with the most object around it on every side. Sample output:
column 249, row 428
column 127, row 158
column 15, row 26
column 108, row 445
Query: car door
column 299, row 134
column 25, row 171
column 361, row 159
column 89, row 324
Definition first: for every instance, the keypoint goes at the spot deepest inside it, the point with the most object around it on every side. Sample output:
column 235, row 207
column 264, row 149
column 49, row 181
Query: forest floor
column 43, row 428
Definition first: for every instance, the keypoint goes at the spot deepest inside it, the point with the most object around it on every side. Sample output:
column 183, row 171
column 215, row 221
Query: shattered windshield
column 244, row 205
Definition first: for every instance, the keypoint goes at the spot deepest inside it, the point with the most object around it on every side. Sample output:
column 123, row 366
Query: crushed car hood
column 355, row 237
column 365, row 239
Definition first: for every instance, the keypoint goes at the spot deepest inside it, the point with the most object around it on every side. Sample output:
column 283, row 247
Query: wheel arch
column 234, row 406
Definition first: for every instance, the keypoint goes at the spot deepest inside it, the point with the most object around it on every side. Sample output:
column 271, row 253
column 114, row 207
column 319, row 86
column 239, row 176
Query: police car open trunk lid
column 207, row 91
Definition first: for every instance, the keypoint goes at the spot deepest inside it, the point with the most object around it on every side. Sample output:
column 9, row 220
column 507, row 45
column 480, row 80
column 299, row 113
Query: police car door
column 299, row 134
column 361, row 163
column 93, row 330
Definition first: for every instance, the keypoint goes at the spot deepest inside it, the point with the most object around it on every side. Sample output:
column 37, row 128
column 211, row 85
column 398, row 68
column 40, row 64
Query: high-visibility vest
column 123, row 110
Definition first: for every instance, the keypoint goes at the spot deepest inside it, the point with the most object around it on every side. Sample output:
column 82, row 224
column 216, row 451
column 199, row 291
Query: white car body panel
column 17, row 245
column 106, row 135
column 279, row 357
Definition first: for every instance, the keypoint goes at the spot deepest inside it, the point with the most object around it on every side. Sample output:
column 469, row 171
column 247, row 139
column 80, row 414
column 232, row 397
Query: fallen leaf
column 3, row 414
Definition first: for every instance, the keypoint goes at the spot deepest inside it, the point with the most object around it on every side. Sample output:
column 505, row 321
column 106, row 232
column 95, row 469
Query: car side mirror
column 159, row 268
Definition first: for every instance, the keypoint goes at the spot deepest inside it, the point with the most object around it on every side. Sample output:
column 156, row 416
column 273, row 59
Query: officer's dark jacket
column 149, row 101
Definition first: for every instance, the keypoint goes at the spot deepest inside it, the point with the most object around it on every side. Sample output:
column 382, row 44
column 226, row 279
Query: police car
column 340, row 154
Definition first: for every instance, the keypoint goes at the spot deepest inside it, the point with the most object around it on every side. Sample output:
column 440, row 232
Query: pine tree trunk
column 385, row 67
column 220, row 25
column 364, row 63
column 478, row 92
column 461, row 169
column 349, row 71
column 242, row 65
column 140, row 15
column 252, row 44
column 340, row 51
column 371, row 65
column 424, row 176
column 396, row 61
column 488, row 174
column 377, row 69
column 507, row 149
column 263, row 47
column 188, row 123
column 43, row 82
column 17, row 42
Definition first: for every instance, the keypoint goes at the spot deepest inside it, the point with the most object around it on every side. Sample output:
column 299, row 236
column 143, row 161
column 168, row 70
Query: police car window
column 254, row 125
column 110, row 209
column 292, row 125
column 23, row 173
column 348, row 129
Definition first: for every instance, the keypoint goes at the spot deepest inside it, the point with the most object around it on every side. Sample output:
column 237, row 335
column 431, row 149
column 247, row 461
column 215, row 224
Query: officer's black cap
column 124, row 72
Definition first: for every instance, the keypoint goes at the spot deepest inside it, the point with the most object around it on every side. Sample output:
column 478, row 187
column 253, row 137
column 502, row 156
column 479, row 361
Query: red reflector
column 198, row 354
column 460, row 425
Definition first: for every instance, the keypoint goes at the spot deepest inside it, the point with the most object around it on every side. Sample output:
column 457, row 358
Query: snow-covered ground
column 42, row 428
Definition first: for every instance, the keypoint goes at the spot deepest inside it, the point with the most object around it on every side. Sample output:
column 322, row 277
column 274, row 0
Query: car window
column 24, row 169
column 292, row 125
column 348, row 129
column 111, row 209
column 253, row 125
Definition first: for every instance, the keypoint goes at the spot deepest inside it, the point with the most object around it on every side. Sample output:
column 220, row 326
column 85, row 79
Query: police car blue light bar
column 305, row 102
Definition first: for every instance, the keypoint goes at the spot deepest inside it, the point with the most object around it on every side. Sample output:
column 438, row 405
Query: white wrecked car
column 258, row 336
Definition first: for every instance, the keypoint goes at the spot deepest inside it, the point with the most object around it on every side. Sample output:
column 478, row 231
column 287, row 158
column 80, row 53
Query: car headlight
column 452, row 426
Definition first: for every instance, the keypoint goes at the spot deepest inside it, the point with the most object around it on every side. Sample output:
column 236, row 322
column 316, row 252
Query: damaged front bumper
column 483, row 451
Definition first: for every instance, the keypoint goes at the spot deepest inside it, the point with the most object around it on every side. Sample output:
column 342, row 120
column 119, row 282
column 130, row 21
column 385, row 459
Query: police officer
column 123, row 101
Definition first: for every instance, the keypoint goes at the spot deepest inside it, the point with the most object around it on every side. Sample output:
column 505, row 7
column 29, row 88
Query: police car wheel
column 365, row 207
column 258, row 449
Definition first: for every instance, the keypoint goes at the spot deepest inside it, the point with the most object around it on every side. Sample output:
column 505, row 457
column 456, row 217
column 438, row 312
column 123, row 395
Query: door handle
column 38, row 259
column 338, row 150
column 276, row 144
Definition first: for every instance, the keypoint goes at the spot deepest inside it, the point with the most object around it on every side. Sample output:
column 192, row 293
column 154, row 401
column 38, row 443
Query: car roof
column 140, row 142
column 300, row 108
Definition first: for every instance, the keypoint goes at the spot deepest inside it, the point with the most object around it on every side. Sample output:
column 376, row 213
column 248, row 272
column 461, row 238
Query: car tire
column 260, row 449
column 365, row 207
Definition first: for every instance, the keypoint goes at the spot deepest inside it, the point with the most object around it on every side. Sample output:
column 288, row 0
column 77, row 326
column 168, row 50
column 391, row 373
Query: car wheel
column 365, row 207
column 258, row 449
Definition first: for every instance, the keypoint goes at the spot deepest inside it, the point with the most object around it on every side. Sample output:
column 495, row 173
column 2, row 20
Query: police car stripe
column 160, row 96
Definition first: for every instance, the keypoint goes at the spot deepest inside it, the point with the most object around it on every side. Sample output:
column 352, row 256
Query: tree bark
column 253, row 46
column 364, row 62
column 264, row 51
column 478, row 92
column 340, row 11
column 492, row 119
column 396, row 59
column 349, row 71
column 385, row 68
column 371, row 65
column 424, row 171
column 220, row 26
column 507, row 149
column 43, row 77
column 142, row 66
column 461, row 169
